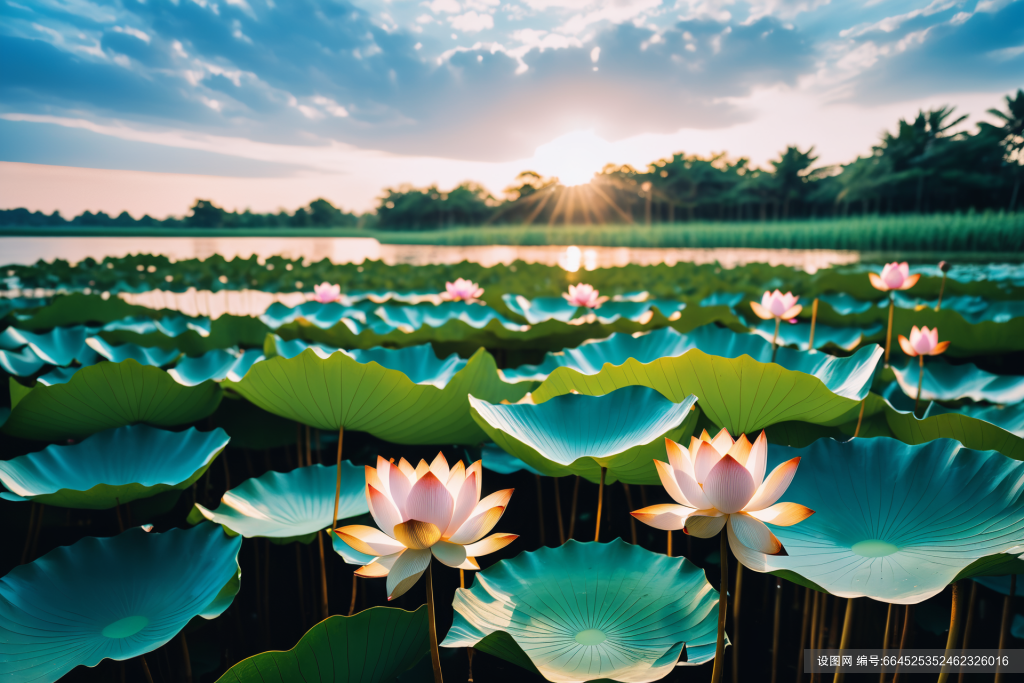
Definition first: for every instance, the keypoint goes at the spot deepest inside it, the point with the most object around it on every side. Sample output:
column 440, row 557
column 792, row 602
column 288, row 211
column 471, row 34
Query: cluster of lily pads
column 848, row 468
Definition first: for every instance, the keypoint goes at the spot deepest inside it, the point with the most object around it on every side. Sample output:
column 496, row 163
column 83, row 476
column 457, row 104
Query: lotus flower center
column 873, row 548
column 122, row 628
column 591, row 636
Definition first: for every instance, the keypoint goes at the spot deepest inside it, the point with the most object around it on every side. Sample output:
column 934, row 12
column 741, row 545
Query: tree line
column 926, row 165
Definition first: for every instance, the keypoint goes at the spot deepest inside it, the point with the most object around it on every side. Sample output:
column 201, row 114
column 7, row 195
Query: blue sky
column 262, row 102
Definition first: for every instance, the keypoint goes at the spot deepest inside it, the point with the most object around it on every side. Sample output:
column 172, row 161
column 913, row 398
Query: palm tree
column 791, row 170
column 1013, row 137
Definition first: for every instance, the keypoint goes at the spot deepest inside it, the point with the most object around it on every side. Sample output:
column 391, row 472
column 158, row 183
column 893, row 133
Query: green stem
column 844, row 641
column 775, row 628
column 954, row 630
column 435, row 655
column 888, row 333
column 723, row 610
column 814, row 321
column 920, row 381
column 600, row 503
column 775, row 337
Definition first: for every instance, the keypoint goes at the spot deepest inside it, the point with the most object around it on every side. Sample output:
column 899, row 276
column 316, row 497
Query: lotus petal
column 289, row 506
column 586, row 611
column 665, row 517
column 895, row 522
column 407, row 570
column 623, row 431
column 116, row 598
column 373, row 646
column 106, row 469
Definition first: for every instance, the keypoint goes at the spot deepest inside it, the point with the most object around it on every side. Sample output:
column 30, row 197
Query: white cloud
column 330, row 106
column 128, row 30
column 890, row 24
column 449, row 6
column 595, row 55
column 471, row 22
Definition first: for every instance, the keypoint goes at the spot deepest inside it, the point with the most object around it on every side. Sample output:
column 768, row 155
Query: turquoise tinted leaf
column 20, row 363
column 288, row 506
column 1008, row 418
column 585, row 611
column 214, row 365
column 114, row 466
column 324, row 316
column 497, row 460
column 154, row 356
column 171, row 325
column 372, row 646
column 415, row 317
column 59, row 346
column 799, row 334
column 946, row 382
column 895, row 522
column 623, row 431
column 115, row 598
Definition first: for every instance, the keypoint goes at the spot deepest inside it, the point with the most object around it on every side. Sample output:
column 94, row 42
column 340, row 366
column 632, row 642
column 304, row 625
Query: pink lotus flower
column 325, row 292
column 461, row 290
column 423, row 511
column 923, row 342
column 584, row 295
column 720, row 483
column 894, row 276
column 777, row 305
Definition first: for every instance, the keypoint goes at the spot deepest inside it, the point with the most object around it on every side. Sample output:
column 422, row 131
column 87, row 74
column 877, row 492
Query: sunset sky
column 145, row 106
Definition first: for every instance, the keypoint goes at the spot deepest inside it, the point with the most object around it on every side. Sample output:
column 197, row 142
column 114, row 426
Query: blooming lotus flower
column 776, row 305
column 720, row 483
column 894, row 276
column 923, row 342
column 325, row 292
column 584, row 295
column 427, row 510
column 461, row 290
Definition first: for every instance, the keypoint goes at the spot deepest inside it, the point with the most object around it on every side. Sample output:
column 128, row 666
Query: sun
column 573, row 158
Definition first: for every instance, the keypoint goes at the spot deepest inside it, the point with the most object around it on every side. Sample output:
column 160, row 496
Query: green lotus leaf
column 623, row 431
column 895, row 522
column 586, row 611
column 731, row 374
column 289, row 506
column 372, row 646
column 59, row 346
column 114, row 598
column 104, row 396
column 799, row 335
column 169, row 325
column 415, row 317
column 76, row 308
column 973, row 309
column 214, row 365
column 116, row 466
column 946, row 382
column 339, row 391
column 154, row 356
column 1008, row 418
column 497, row 460
column 324, row 316
column 225, row 332
column 20, row 363
column 557, row 308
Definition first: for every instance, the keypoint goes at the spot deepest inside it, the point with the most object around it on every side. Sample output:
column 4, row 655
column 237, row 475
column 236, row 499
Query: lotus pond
column 371, row 473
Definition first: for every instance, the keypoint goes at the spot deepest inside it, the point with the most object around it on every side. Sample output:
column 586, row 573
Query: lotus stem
column 540, row 509
column 435, row 656
column 355, row 592
column 737, row 595
column 723, row 609
column 814, row 322
column 462, row 585
column 955, row 611
column 920, row 381
column 309, row 449
column 38, row 531
column 968, row 625
column 804, row 623
column 324, row 612
column 775, row 337
column 885, row 637
column 33, row 513
column 337, row 482
column 120, row 521
column 600, row 503
column 558, row 512
column 632, row 519
column 668, row 549
column 185, row 658
column 844, row 642
column 1004, row 627
column 302, row 592
column 145, row 669
column 942, row 288
column 776, row 615
column 888, row 332
column 860, row 418
column 572, row 507
column 908, row 620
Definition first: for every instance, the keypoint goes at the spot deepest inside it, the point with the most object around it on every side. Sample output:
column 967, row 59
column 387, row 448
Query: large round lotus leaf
column 895, row 522
column 225, row 332
column 586, row 611
column 623, row 431
column 545, row 308
column 945, row 382
column 732, row 375
column 1008, row 418
column 170, row 325
column 104, row 396
column 799, row 335
column 372, row 646
column 497, row 460
column 973, row 309
column 410, row 318
column 216, row 365
column 59, row 346
column 113, row 598
column 116, row 466
column 289, row 506
column 20, row 363
column 339, row 391
column 76, row 308
column 418, row 363
column 154, row 356
column 322, row 315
